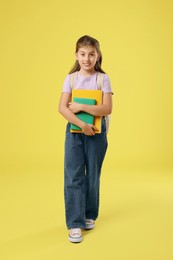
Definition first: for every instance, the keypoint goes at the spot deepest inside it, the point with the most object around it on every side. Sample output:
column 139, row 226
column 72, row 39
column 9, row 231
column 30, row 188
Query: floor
column 135, row 222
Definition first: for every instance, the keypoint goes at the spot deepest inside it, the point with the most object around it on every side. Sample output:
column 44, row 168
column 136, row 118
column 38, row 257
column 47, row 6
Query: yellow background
column 36, row 52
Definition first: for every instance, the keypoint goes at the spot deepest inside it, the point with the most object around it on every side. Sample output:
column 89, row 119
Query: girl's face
column 87, row 57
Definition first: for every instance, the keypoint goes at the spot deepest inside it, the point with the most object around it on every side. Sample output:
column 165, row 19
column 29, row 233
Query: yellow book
column 91, row 94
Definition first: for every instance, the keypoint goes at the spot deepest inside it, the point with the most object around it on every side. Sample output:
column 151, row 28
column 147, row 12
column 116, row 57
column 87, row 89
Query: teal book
column 86, row 117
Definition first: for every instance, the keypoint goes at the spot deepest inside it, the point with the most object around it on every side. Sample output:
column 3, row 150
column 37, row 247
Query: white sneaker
column 90, row 224
column 75, row 235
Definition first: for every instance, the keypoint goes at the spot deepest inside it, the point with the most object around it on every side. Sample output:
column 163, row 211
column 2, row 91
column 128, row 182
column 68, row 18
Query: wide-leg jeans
column 83, row 160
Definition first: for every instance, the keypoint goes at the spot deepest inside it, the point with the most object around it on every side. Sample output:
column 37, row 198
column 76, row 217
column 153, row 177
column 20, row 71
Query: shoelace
column 76, row 232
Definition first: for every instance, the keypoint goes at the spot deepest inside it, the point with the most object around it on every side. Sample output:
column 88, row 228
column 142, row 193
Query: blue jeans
column 84, row 156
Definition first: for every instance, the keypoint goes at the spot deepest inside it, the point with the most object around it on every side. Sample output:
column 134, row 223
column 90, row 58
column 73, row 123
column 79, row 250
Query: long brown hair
column 88, row 41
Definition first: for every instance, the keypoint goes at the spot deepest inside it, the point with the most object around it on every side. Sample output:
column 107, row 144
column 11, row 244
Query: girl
column 84, row 152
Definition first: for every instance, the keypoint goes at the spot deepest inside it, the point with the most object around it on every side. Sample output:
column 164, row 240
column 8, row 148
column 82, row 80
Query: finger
column 94, row 128
column 93, row 132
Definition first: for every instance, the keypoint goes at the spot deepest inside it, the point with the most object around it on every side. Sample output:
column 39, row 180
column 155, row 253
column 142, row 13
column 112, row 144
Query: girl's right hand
column 88, row 129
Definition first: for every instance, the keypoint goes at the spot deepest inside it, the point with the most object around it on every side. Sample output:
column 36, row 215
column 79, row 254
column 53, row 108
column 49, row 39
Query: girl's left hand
column 74, row 107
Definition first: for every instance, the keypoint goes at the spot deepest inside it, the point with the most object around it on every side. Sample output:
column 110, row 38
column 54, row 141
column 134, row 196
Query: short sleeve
column 106, row 85
column 66, row 86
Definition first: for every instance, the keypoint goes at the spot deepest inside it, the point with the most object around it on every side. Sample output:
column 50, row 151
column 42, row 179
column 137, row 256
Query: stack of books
column 89, row 97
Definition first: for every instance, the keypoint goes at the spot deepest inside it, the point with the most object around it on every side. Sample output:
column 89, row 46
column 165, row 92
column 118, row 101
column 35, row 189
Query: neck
column 87, row 73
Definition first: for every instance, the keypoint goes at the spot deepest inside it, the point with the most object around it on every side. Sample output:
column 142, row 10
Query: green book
column 86, row 117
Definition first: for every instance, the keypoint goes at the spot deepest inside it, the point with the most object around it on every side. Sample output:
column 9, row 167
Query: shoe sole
column 90, row 226
column 75, row 239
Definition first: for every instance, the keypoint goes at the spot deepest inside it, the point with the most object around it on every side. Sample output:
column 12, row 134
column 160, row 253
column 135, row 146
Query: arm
column 96, row 110
column 71, row 117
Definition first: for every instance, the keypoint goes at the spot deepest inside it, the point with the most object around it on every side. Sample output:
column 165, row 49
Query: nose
column 87, row 57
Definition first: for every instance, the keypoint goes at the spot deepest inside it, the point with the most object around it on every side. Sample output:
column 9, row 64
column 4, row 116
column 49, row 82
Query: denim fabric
column 82, row 167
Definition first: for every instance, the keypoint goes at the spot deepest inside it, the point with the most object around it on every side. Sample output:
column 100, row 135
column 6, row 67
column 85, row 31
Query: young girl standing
column 84, row 152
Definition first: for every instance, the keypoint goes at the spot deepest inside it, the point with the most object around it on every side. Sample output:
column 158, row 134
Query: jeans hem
column 76, row 226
